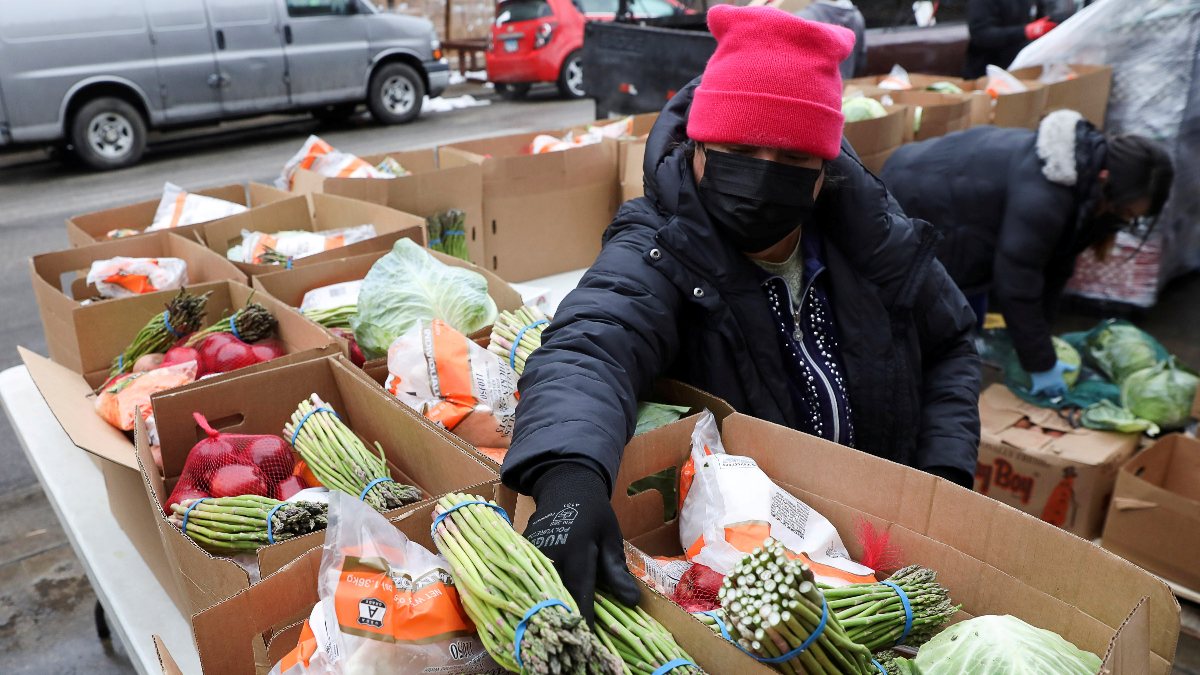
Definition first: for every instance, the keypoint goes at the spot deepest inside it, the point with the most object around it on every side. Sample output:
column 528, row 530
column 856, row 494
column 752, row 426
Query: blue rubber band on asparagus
column 882, row 670
column 435, row 242
column 189, row 512
column 270, row 532
column 121, row 363
column 363, row 495
column 233, row 328
column 512, row 353
column 519, row 634
column 908, row 613
column 454, row 233
column 785, row 657
column 437, row 520
column 288, row 265
column 310, row 413
column 167, row 324
column 671, row 665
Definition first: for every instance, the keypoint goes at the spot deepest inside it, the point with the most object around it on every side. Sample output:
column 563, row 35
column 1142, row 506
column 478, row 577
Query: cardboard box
column 289, row 286
column 941, row 114
column 60, row 285
column 314, row 213
column 456, row 183
column 1020, row 109
column 560, row 201
column 1154, row 519
column 1035, row 461
column 418, row 453
column 68, row 390
column 90, row 228
column 875, row 140
column 1086, row 93
column 631, row 155
column 993, row 559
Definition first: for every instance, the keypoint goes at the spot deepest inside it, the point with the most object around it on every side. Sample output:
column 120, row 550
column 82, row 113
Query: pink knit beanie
column 773, row 82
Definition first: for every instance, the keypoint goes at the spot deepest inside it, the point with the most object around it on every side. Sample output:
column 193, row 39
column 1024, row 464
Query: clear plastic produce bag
column 319, row 156
column 730, row 507
column 123, row 277
column 387, row 605
column 179, row 207
column 260, row 248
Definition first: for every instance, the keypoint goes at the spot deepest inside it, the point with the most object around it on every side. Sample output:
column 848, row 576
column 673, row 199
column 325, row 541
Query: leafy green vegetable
column 1120, row 349
column 999, row 645
column 1065, row 353
column 945, row 88
column 651, row 416
column 862, row 108
column 407, row 286
column 1162, row 394
column 1105, row 415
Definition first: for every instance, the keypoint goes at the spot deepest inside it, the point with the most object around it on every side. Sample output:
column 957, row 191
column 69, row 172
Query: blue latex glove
column 1050, row 382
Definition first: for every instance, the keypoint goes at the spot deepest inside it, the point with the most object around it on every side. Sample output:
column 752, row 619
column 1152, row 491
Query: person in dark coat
column 1016, row 206
column 764, row 265
column 1000, row 29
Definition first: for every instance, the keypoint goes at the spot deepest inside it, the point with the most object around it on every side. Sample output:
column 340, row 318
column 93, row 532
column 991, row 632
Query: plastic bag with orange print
column 387, row 605
column 729, row 507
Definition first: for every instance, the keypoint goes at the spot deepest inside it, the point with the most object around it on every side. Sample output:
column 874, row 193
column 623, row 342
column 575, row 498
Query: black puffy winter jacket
column 997, row 32
column 1013, row 207
column 669, row 296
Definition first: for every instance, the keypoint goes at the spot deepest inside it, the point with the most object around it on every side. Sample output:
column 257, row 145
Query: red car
column 540, row 40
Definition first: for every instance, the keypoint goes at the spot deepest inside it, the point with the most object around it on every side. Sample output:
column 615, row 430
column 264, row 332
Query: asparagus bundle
column 183, row 315
column 773, row 606
column 340, row 460
column 643, row 644
column 500, row 578
column 241, row 524
column 873, row 614
column 505, row 330
column 272, row 257
column 333, row 317
column 249, row 324
column 448, row 233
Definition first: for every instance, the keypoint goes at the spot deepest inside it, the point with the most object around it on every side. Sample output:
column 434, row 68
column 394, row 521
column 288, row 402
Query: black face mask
column 755, row 202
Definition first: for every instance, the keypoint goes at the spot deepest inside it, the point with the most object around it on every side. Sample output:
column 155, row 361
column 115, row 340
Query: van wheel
column 570, row 76
column 108, row 133
column 396, row 94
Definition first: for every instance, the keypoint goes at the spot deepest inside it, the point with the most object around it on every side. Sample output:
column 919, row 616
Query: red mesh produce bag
column 223, row 352
column 231, row 465
column 697, row 589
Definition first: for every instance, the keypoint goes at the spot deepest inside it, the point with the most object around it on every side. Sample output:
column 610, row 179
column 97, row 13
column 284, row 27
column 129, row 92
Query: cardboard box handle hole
column 221, row 424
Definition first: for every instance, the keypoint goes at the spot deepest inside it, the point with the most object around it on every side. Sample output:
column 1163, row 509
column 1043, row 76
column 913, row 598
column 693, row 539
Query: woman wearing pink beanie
column 764, row 265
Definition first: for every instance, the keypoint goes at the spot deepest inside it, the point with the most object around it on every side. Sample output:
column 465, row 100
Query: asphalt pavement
column 39, row 192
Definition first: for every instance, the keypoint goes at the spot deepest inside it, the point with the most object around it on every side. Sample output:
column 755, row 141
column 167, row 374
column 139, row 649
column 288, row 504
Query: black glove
column 574, row 525
column 957, row 476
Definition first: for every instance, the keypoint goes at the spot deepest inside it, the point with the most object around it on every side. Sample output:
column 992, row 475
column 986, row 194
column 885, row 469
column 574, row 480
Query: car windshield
column 522, row 10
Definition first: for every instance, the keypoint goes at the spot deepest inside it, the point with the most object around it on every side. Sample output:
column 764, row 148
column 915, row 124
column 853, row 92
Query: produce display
column 515, row 335
column 643, row 644
column 334, row 305
column 341, row 461
column 182, row 316
column 408, row 286
column 281, row 248
column 448, row 233
column 505, row 582
column 320, row 157
column 122, row 398
column 250, row 323
column 999, row 645
column 1119, row 349
column 123, row 277
column 229, row 525
column 874, row 614
column 178, row 208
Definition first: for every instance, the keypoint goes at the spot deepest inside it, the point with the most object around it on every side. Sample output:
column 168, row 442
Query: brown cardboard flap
column 165, row 660
column 1131, row 640
column 1087, row 92
column 70, row 399
column 1129, row 504
column 871, row 137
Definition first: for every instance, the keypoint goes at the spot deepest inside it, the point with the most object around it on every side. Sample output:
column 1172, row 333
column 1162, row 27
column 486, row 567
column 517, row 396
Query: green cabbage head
column 862, row 108
column 1162, row 394
column 999, row 645
column 1064, row 352
column 1120, row 349
column 407, row 286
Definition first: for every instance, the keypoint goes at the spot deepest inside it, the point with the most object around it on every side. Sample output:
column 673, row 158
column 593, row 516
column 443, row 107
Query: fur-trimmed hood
column 1056, row 147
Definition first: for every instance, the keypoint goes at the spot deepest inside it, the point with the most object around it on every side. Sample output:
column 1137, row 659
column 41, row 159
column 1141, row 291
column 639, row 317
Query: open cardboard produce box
column 992, row 558
column 89, row 228
column 563, row 200
column 1154, row 518
column 1018, row 109
column 1034, row 460
column 60, row 287
column 1086, row 92
column 417, row 453
column 875, row 140
column 314, row 213
column 289, row 286
column 941, row 114
column 112, row 325
column 631, row 154
column 430, row 188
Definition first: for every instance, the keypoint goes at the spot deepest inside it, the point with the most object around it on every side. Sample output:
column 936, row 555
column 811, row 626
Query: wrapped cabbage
column 407, row 286
column 999, row 645
column 1120, row 349
column 1105, row 415
column 862, row 108
column 1162, row 394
